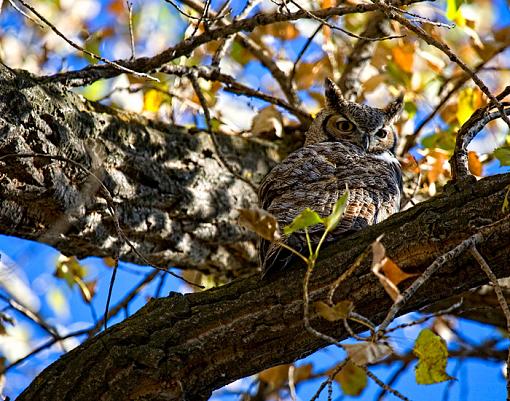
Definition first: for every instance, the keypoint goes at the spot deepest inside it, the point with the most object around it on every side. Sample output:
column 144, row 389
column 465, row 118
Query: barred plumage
column 347, row 144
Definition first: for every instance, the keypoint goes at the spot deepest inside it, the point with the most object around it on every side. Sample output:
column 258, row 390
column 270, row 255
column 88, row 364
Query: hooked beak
column 365, row 141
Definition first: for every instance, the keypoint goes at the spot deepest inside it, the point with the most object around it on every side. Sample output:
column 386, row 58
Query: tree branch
column 187, row 346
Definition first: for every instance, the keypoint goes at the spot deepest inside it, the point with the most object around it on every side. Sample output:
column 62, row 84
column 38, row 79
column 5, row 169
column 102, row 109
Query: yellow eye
column 344, row 126
column 338, row 125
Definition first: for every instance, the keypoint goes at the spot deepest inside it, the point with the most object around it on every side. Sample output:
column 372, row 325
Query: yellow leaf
column 152, row 100
column 69, row 269
column 352, row 379
column 469, row 101
column 404, row 56
column 333, row 313
column 57, row 302
column 432, row 358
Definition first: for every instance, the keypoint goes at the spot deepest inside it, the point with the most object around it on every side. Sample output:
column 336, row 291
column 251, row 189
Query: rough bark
column 174, row 199
column 183, row 347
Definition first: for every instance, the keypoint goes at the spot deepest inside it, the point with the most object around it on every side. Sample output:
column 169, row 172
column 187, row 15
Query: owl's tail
column 273, row 257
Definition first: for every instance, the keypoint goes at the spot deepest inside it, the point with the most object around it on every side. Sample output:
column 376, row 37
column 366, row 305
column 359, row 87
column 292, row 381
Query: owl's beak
column 365, row 141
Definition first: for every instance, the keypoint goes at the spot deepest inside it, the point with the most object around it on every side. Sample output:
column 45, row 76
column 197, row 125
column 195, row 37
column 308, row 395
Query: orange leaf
column 474, row 163
column 404, row 56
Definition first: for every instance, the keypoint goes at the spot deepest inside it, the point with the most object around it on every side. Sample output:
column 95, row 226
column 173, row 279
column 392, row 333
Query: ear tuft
column 332, row 93
column 394, row 109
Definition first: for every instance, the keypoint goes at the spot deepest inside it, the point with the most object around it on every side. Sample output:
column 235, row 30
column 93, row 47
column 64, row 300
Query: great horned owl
column 348, row 144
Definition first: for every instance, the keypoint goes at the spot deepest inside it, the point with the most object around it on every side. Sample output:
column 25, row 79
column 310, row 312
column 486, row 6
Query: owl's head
column 368, row 127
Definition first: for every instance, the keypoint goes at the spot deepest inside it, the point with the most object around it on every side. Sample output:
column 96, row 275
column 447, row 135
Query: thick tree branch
column 174, row 200
column 183, row 347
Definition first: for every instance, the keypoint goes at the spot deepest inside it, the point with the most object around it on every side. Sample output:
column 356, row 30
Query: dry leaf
column 261, row 222
column 268, row 121
column 389, row 274
column 352, row 379
column 404, row 56
column 474, row 163
column 333, row 313
column 365, row 353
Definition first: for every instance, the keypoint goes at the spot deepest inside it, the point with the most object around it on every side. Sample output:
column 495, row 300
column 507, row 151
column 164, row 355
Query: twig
column 475, row 239
column 226, row 43
column 124, row 302
column 42, row 347
column 419, row 18
column 502, row 303
column 303, row 50
column 434, row 267
column 344, row 31
column 207, row 116
column 109, row 203
column 384, row 386
column 411, row 139
column 346, row 274
column 91, row 74
column 31, row 315
column 392, row 380
column 331, row 377
column 110, row 290
column 131, row 34
column 447, row 311
column 87, row 52
column 446, row 50
column 478, row 120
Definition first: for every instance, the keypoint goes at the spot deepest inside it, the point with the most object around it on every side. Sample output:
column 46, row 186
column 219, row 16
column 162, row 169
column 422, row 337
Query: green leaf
column 432, row 358
column 333, row 313
column 338, row 211
column 352, row 379
column 304, row 219
column 503, row 155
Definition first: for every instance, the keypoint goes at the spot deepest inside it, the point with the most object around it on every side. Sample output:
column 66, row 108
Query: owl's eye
column 381, row 133
column 345, row 126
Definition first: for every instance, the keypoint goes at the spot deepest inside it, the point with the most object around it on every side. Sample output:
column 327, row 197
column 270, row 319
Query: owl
column 347, row 145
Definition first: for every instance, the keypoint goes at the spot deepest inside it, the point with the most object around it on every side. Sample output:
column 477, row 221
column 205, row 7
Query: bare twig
column 331, row 377
column 91, row 74
column 303, row 50
column 42, row 347
column 110, row 290
column 446, row 50
column 391, row 381
column 344, row 31
column 475, row 239
column 122, row 304
column 31, row 315
column 411, row 139
column 87, row 52
column 502, row 303
column 384, row 386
